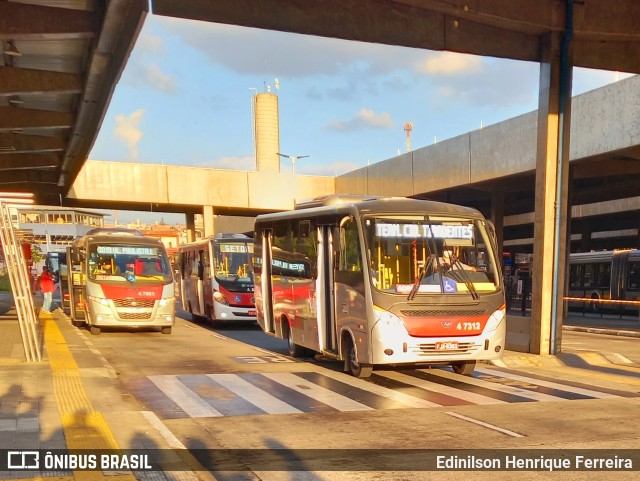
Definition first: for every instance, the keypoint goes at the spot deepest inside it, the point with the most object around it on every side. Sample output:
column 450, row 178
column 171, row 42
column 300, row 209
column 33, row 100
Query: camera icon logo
column 23, row 460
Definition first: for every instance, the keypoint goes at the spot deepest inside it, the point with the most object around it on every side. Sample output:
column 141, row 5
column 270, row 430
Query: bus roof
column 223, row 237
column 114, row 238
column 370, row 204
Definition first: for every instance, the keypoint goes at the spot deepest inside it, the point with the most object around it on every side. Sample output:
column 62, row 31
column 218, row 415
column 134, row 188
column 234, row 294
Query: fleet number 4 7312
column 468, row 326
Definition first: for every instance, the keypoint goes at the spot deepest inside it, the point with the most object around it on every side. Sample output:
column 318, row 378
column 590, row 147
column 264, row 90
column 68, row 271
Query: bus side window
column 575, row 276
column 588, row 276
column 634, row 276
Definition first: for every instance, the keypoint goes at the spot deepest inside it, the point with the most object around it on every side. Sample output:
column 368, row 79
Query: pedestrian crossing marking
column 236, row 394
column 194, row 406
column 501, row 388
column 253, row 394
column 553, row 385
column 450, row 391
column 301, row 385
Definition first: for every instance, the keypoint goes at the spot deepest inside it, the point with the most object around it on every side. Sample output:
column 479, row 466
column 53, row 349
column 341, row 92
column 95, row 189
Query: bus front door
column 77, row 284
column 326, row 314
column 266, row 288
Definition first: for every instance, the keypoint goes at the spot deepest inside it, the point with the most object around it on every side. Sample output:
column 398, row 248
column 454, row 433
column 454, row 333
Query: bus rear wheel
column 294, row 349
column 465, row 368
column 351, row 364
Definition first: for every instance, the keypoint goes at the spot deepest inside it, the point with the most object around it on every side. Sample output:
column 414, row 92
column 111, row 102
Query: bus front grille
column 441, row 313
column 135, row 315
column 146, row 303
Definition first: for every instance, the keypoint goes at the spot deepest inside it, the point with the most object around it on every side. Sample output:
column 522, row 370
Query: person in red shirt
column 48, row 287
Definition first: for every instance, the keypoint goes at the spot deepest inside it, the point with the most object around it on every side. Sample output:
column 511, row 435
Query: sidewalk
column 71, row 401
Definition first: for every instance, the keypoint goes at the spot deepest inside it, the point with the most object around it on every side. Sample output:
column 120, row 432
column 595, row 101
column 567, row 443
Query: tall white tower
column 266, row 132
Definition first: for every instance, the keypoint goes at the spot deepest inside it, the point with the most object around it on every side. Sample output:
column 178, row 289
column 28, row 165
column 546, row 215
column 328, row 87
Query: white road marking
column 486, row 425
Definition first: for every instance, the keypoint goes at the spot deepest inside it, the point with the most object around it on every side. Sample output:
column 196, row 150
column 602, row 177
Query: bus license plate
column 252, row 313
column 446, row 346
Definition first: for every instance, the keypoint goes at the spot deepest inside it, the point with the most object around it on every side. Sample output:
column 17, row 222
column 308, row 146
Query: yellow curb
column 84, row 428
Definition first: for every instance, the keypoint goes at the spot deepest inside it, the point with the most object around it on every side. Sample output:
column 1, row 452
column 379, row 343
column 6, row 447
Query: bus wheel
column 294, row 349
column 465, row 368
column 166, row 330
column 351, row 364
column 94, row 330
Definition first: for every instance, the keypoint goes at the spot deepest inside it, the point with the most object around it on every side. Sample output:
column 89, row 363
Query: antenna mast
column 408, row 126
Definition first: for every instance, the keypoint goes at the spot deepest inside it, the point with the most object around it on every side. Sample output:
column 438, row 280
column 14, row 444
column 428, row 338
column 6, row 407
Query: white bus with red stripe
column 119, row 278
column 216, row 279
column 381, row 281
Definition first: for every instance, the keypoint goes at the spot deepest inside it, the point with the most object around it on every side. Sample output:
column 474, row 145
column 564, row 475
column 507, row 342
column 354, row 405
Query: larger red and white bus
column 216, row 279
column 381, row 281
column 119, row 278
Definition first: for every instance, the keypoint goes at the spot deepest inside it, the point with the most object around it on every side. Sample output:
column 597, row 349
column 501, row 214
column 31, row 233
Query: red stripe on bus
column 125, row 292
column 445, row 326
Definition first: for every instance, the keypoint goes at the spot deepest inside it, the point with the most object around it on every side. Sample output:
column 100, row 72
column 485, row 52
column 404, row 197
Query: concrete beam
column 28, row 161
column 11, row 143
column 12, row 118
column 23, row 81
column 19, row 21
column 226, row 190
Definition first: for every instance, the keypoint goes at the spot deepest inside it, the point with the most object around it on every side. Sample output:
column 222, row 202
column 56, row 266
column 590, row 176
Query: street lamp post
column 293, row 159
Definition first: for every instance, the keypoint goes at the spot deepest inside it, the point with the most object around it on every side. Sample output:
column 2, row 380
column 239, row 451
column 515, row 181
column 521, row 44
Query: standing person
column 47, row 286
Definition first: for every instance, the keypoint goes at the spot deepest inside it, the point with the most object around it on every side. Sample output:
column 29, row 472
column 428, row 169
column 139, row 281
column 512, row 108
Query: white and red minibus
column 119, row 278
column 216, row 279
column 381, row 281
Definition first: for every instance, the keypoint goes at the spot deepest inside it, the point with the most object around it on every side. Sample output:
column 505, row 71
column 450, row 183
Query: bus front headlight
column 219, row 296
column 495, row 319
column 166, row 301
column 100, row 300
column 387, row 319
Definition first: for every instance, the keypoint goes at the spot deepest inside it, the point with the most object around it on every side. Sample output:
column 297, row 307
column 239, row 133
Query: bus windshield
column 232, row 261
column 128, row 263
column 415, row 256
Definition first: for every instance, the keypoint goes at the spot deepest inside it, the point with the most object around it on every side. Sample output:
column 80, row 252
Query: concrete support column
column 551, row 217
column 497, row 216
column 207, row 220
column 191, row 227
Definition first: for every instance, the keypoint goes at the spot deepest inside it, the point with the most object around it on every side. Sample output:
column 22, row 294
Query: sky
column 185, row 98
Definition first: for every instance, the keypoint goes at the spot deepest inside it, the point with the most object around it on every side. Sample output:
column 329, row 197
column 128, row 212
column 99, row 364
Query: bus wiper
column 421, row 273
column 463, row 276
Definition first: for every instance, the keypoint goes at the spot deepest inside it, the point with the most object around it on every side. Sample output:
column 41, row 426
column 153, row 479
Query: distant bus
column 381, row 281
column 56, row 261
column 216, row 279
column 120, row 278
column 605, row 281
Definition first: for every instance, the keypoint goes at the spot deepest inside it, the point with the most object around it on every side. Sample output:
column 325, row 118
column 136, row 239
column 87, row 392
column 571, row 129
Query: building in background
column 53, row 228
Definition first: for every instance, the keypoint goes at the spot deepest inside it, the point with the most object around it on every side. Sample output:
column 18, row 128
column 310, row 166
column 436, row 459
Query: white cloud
column 150, row 43
column 246, row 162
column 158, row 80
column 449, row 63
column 363, row 120
column 127, row 130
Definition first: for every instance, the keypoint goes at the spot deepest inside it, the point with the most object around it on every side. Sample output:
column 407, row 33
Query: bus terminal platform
column 71, row 399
